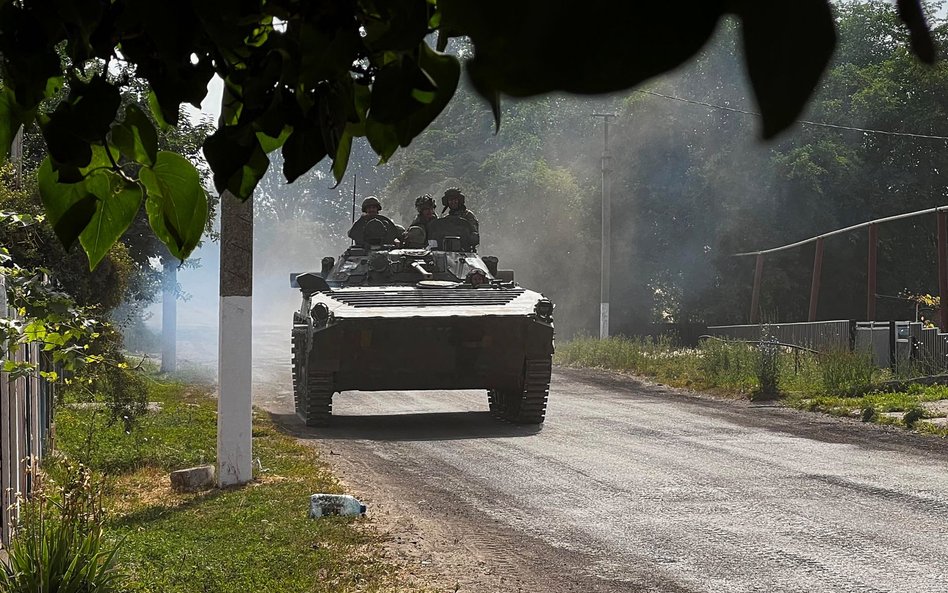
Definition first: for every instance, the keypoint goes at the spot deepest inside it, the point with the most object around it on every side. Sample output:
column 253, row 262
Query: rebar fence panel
column 26, row 413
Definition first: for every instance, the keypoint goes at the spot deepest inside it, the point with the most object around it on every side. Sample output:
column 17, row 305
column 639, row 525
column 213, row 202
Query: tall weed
column 768, row 367
column 59, row 546
column 727, row 364
column 843, row 372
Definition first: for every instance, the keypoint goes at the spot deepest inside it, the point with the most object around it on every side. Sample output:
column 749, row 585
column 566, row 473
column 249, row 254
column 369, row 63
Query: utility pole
column 169, row 314
column 235, row 334
column 606, row 228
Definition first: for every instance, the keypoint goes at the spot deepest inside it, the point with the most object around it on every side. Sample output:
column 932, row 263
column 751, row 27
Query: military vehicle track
column 312, row 390
column 317, row 405
column 528, row 407
column 298, row 350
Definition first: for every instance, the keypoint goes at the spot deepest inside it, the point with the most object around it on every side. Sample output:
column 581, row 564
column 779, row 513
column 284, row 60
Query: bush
column 913, row 415
column 124, row 391
column 59, row 546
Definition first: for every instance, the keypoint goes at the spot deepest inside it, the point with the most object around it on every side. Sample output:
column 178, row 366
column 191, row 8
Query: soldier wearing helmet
column 371, row 206
column 425, row 205
column 453, row 201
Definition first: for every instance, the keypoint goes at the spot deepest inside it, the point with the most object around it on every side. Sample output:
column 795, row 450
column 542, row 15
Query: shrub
column 59, row 546
column 913, row 415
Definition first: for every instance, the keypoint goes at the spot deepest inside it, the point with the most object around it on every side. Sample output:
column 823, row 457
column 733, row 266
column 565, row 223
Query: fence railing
column 26, row 413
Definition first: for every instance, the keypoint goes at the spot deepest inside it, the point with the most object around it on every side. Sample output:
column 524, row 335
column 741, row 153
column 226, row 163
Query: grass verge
column 837, row 383
column 252, row 538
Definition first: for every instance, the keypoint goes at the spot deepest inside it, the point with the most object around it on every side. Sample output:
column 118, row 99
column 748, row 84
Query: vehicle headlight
column 544, row 309
column 320, row 313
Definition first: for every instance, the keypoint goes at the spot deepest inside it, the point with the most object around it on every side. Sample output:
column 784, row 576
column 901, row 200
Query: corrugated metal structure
column 26, row 414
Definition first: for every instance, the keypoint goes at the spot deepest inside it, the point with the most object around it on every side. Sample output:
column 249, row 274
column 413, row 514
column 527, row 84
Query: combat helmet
column 425, row 201
column 452, row 192
column 371, row 201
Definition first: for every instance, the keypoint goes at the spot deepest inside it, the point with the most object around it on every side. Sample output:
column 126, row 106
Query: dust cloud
column 677, row 170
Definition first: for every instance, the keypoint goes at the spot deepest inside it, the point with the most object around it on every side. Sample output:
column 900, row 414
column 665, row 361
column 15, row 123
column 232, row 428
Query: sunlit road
column 632, row 488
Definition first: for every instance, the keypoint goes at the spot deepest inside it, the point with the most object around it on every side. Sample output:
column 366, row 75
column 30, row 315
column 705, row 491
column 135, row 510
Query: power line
column 802, row 121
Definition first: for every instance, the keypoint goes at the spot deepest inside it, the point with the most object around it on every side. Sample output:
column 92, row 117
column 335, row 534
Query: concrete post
column 169, row 315
column 606, row 237
column 235, row 360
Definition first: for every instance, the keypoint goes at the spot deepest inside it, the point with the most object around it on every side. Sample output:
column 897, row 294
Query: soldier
column 415, row 238
column 453, row 201
column 425, row 205
column 371, row 206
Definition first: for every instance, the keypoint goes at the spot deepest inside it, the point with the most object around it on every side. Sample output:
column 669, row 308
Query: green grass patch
column 253, row 538
column 838, row 383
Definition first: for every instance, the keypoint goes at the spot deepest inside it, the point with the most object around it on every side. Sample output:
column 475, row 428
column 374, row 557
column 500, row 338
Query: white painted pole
column 234, row 404
column 169, row 315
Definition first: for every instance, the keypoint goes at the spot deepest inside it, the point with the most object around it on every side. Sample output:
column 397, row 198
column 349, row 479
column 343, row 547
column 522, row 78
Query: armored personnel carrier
column 440, row 317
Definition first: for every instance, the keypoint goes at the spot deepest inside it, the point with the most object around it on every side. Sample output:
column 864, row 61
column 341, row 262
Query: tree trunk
column 169, row 316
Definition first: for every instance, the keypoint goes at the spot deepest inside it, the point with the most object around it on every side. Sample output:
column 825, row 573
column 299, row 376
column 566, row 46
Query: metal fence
column 26, row 413
column 889, row 343
column 819, row 335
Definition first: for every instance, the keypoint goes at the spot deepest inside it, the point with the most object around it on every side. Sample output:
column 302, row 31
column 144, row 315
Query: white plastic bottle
column 322, row 505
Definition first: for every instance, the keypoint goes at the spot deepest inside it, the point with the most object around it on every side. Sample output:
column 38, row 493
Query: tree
column 309, row 77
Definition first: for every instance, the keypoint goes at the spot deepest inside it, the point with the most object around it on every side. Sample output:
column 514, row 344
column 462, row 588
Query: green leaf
column 175, row 202
column 341, row 161
column 157, row 113
column 69, row 206
column 237, row 159
column 383, row 138
column 535, row 46
column 786, row 52
column 302, row 150
column 81, row 120
column 117, row 204
column 12, row 116
column 443, row 71
column 269, row 143
column 136, row 136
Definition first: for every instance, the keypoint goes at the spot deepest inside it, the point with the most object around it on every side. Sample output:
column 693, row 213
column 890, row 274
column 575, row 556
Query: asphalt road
column 629, row 487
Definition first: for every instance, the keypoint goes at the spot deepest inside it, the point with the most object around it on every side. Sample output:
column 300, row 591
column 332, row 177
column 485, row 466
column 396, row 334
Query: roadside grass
column 257, row 537
column 838, row 383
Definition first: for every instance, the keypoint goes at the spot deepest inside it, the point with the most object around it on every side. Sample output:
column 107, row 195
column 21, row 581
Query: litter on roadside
column 323, row 505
